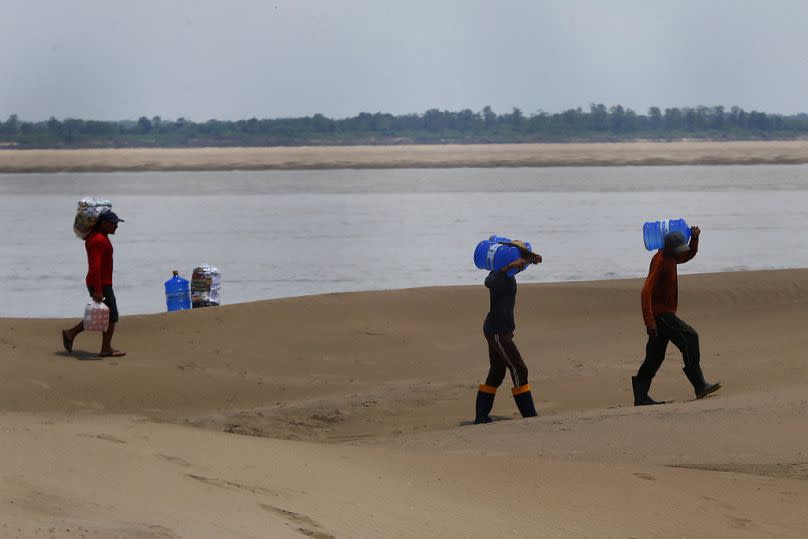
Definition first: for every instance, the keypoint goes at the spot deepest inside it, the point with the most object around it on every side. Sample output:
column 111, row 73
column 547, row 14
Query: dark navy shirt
column 502, row 290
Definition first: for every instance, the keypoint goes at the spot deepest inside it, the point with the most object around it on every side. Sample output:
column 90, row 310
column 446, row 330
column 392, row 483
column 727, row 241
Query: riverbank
column 345, row 415
column 407, row 156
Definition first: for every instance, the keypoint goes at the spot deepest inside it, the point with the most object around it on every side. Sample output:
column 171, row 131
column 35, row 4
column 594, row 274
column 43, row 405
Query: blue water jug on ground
column 492, row 254
column 654, row 232
column 178, row 293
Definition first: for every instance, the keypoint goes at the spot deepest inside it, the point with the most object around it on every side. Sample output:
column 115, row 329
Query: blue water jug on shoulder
column 493, row 254
column 178, row 293
column 654, row 232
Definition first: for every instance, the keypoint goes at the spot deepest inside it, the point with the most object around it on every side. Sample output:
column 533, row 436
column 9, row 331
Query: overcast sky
column 113, row 59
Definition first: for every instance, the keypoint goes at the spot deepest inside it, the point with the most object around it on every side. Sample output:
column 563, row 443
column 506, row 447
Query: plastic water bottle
column 654, row 232
column 502, row 239
column 493, row 254
column 178, row 293
column 499, row 239
column 205, row 284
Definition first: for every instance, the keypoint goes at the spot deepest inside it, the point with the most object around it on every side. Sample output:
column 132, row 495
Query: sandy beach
column 407, row 156
column 346, row 415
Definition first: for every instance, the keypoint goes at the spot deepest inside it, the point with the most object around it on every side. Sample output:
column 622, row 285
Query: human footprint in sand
column 99, row 281
column 660, row 297
column 502, row 352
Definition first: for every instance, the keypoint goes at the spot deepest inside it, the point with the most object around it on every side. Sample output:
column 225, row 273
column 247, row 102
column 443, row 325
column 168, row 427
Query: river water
column 289, row 233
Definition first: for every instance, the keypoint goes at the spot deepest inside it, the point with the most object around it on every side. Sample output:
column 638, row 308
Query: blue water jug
column 492, row 254
column 178, row 293
column 654, row 232
column 500, row 239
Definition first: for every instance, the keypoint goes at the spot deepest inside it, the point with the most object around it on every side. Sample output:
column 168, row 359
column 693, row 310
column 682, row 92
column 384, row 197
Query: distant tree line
column 597, row 123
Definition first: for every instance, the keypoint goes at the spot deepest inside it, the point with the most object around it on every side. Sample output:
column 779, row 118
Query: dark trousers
column 670, row 328
column 503, row 354
column 109, row 301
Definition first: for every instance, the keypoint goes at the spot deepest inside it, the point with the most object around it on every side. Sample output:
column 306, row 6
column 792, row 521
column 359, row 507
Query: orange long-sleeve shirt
column 660, row 293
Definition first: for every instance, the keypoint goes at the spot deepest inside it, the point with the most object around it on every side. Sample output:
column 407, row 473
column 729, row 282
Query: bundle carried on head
column 87, row 212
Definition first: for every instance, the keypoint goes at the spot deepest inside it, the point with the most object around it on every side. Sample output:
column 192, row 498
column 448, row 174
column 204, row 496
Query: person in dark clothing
column 99, row 282
column 503, row 354
column 660, row 298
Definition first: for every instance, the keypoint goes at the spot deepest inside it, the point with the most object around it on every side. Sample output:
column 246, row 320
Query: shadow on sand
column 495, row 418
column 79, row 355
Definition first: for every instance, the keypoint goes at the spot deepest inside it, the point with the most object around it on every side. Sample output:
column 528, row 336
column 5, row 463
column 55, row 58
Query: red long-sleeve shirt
column 660, row 294
column 99, row 261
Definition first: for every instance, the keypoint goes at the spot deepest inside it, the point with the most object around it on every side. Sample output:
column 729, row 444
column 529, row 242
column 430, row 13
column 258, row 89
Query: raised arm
column 694, row 246
column 529, row 256
column 497, row 278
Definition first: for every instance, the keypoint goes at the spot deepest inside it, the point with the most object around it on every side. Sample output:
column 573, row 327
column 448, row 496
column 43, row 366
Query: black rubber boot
column 524, row 400
column 700, row 385
column 485, row 401
column 640, row 386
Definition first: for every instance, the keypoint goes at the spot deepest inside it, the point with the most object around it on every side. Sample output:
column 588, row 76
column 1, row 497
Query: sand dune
column 356, row 407
column 408, row 156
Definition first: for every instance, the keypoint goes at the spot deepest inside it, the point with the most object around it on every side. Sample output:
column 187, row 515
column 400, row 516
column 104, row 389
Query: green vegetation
column 599, row 123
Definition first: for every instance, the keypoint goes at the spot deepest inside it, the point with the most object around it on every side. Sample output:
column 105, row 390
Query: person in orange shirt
column 660, row 298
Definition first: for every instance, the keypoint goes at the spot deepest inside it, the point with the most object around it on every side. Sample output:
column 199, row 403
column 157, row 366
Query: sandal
column 114, row 353
column 67, row 343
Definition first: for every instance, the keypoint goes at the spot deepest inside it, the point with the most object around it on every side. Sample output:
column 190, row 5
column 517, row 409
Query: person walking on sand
column 99, row 281
column 660, row 296
column 498, row 330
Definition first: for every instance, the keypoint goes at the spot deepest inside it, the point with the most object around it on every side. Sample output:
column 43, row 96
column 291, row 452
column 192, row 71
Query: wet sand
column 407, row 156
column 345, row 415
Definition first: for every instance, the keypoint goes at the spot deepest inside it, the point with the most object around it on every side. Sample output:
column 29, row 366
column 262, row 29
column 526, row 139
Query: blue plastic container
column 178, row 293
column 493, row 255
column 654, row 232
column 500, row 239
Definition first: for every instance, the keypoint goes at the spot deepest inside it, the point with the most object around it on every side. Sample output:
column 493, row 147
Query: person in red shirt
column 99, row 281
column 660, row 298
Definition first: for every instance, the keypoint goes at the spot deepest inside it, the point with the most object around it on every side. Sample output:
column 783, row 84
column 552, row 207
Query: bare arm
column 529, row 256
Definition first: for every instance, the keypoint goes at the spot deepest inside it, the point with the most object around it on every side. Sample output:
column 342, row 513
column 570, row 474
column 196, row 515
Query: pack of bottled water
column 205, row 286
column 87, row 212
column 96, row 317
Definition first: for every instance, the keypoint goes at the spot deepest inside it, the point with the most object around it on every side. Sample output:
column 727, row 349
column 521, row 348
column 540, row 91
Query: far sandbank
column 407, row 156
